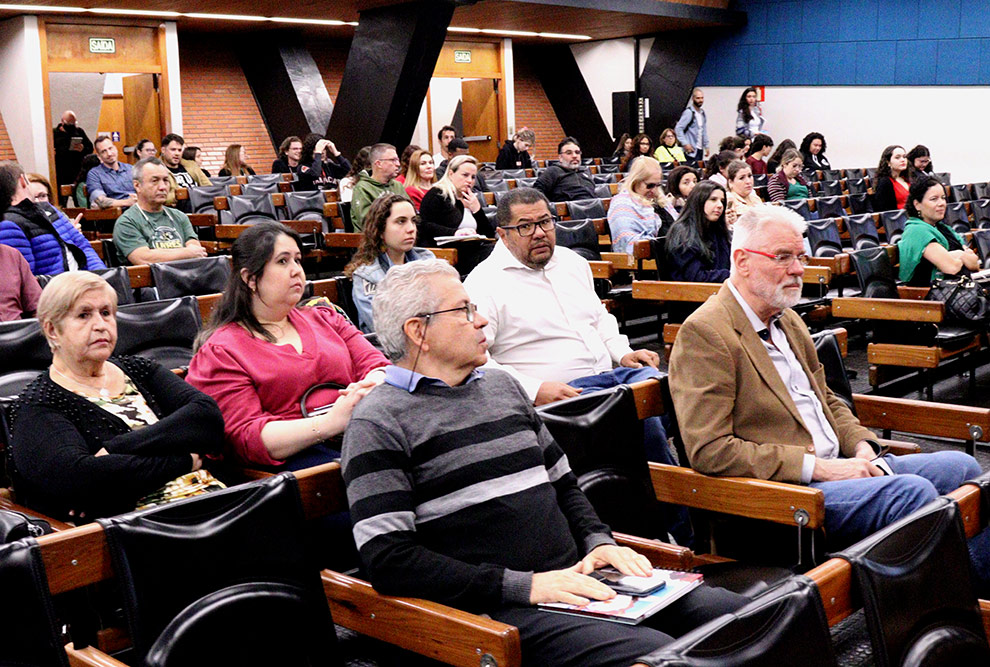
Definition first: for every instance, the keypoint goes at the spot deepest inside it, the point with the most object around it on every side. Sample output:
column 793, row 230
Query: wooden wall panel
column 68, row 48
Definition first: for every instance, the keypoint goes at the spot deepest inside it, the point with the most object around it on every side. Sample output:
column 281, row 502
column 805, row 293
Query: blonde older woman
column 452, row 207
column 641, row 209
column 97, row 435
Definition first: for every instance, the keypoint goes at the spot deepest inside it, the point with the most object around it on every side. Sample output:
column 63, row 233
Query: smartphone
column 883, row 465
column 629, row 584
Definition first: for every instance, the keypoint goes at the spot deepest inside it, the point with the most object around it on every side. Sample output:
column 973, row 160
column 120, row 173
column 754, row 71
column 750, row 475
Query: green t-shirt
column 911, row 249
column 797, row 191
column 136, row 228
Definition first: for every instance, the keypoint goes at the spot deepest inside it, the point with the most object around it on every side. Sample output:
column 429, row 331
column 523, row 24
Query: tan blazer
column 735, row 414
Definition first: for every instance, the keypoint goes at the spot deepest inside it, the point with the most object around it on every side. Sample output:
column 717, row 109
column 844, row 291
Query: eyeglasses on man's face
column 529, row 228
column 468, row 309
column 784, row 259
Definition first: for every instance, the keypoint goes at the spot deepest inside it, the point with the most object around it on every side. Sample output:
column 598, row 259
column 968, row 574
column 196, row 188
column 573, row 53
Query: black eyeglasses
column 652, row 186
column 469, row 310
column 529, row 228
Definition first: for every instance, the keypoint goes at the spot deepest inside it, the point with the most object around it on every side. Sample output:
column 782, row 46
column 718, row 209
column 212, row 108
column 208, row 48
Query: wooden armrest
column 943, row 420
column 447, row 254
column 8, row 504
column 834, row 581
column 211, row 247
column 181, row 194
column 901, row 310
column 202, row 219
column 326, row 287
column 220, row 203
column 915, row 293
column 304, row 226
column 661, row 554
column 968, row 497
column 230, row 232
column 90, row 657
column 620, row 260
column 837, row 265
column 278, row 199
column 821, row 275
column 65, row 190
column 601, row 269
column 330, row 210
column 752, row 498
column 642, row 250
column 139, row 275
column 662, row 290
column 434, row 630
column 899, row 447
column 342, row 240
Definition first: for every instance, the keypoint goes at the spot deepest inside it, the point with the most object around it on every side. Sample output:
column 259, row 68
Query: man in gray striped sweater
column 459, row 494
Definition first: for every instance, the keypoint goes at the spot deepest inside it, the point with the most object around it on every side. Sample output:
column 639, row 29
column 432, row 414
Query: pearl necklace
column 104, row 392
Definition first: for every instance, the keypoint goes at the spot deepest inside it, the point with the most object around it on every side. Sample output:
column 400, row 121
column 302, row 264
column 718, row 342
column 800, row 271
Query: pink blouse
column 255, row 382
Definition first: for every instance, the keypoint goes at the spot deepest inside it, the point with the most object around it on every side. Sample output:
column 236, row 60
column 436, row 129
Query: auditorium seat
column 875, row 273
column 602, row 191
column 856, row 186
column 525, row 182
column 959, row 193
column 250, row 210
column 162, row 331
column 513, row 173
column 260, row 188
column 585, row 208
column 120, row 281
column 893, row 223
column 305, row 206
column 603, row 177
column 223, row 180
column 201, row 197
column 801, row 207
column 830, row 188
column 823, row 236
column 981, row 190
column 860, row 203
column 829, row 207
column 266, row 179
column 196, row 276
column 981, row 239
column 496, row 185
column 855, row 173
column 957, row 217
column 25, row 353
column 580, row 236
column 831, row 174
column 862, row 231
column 981, row 213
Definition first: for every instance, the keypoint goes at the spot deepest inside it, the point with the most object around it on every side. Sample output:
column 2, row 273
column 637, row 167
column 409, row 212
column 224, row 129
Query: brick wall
column 218, row 108
column 6, row 149
column 533, row 110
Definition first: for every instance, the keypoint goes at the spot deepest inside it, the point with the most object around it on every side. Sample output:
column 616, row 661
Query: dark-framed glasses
column 468, row 309
column 784, row 258
column 529, row 228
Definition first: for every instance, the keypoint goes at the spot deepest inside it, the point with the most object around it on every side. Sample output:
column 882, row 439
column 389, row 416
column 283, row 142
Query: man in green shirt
column 149, row 231
column 381, row 179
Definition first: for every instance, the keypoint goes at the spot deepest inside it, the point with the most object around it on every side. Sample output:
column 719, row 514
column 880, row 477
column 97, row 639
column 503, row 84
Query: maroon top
column 255, row 382
column 19, row 289
column 757, row 165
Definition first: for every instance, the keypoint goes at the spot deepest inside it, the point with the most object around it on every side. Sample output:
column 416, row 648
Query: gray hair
column 402, row 295
column 137, row 172
column 503, row 212
column 751, row 225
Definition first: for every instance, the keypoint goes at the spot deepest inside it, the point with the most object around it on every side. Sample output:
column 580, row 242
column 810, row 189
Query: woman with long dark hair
column 698, row 243
column 388, row 240
column 773, row 164
column 813, row 150
column 259, row 355
column 642, row 145
column 749, row 115
column 715, row 169
column 680, row 182
column 929, row 248
column 890, row 192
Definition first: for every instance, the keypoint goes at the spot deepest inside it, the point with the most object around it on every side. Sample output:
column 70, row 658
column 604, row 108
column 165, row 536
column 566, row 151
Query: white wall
column 445, row 95
column 859, row 121
column 80, row 91
column 22, row 102
column 609, row 66
column 174, row 86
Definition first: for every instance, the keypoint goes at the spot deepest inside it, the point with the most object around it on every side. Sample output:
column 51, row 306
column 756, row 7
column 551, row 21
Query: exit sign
column 102, row 45
column 462, row 56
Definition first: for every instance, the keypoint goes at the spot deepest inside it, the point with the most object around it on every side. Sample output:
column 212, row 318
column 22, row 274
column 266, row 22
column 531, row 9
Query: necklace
column 104, row 392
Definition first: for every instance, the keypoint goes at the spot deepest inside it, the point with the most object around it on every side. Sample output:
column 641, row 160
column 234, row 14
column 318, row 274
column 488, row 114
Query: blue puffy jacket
column 44, row 236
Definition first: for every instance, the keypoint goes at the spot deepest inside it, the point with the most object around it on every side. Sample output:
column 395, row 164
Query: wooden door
column 141, row 116
column 479, row 110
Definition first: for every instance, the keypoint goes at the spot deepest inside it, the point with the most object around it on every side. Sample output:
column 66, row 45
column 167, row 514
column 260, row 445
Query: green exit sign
column 102, row 45
column 462, row 56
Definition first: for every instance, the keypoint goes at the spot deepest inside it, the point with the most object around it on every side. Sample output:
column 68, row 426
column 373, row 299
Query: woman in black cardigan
column 442, row 212
column 96, row 434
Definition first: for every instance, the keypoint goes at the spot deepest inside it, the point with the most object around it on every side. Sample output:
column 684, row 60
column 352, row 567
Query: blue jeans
column 855, row 508
column 654, row 437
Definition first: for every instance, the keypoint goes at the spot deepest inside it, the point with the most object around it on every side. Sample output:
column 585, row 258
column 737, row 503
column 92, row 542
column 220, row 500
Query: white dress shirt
column 798, row 386
column 544, row 324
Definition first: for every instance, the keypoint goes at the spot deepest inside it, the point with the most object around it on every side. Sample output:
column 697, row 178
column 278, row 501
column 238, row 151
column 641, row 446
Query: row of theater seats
column 183, row 568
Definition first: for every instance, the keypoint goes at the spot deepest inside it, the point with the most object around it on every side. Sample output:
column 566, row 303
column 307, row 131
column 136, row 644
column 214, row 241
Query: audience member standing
column 381, row 179
column 749, row 115
column 566, row 181
column 813, row 149
column 515, row 152
column 71, row 146
column 692, row 128
column 890, row 192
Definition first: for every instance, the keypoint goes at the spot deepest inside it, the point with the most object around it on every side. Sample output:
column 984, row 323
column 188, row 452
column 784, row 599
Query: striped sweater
column 458, row 494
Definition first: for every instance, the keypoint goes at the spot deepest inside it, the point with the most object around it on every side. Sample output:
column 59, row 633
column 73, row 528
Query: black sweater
column 510, row 158
column 560, row 184
column 441, row 218
column 55, row 434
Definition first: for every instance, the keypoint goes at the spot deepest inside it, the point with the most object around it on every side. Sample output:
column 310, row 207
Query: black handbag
column 17, row 525
column 965, row 300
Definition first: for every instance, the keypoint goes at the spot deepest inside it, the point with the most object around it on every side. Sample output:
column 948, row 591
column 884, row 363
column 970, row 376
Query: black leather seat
column 784, row 626
column 960, row 193
column 526, row 182
column 831, row 174
column 914, row 579
column 580, row 236
column 163, row 331
column 893, row 223
column 513, row 173
column 957, row 217
column 856, row 186
column 836, row 376
column 120, row 282
column 981, row 190
column 982, row 239
column 830, row 207
column 265, row 179
column 184, row 277
column 585, row 208
column 500, row 195
column 29, row 632
column 232, row 566
column 602, row 190
column 602, row 177
column 223, row 180
column 609, row 168
column 25, row 355
column 496, row 185
column 855, row 173
column 259, row 188
column 823, row 236
column 862, row 231
column 860, row 203
column 201, row 197
column 801, row 207
column 981, row 213
column 110, row 253
column 759, row 180
column 251, row 209
column 830, row 188
column 305, row 206
column 875, row 273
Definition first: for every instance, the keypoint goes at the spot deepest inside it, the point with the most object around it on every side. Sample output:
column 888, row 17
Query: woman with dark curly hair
column 813, row 150
column 642, row 145
column 749, row 115
column 890, row 192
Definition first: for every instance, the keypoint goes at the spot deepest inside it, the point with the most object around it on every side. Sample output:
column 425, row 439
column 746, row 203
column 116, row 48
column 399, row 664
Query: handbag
column 17, row 525
column 965, row 301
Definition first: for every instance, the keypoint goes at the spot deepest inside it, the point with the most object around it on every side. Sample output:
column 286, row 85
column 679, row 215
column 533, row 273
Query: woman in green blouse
column 930, row 249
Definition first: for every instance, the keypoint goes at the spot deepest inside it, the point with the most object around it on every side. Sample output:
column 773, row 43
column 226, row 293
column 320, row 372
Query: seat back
column 603, row 178
column 982, row 239
column 830, row 207
column 178, row 561
column 585, row 208
column 875, row 273
column 856, row 186
column 223, row 180
column 496, row 185
column 831, row 174
column 25, row 355
column 981, row 190
column 981, row 213
column 251, row 209
column 200, row 275
column 855, row 173
column 823, row 236
column 305, row 206
column 602, row 190
column 119, row 281
column 163, row 331
column 862, row 231
column 894, row 223
column 201, row 197
column 254, row 189
column 957, row 217
column 917, row 590
column 836, row 376
column 800, row 206
column 513, row 173
column 831, row 188
column 960, row 193
column 110, row 253
column 784, row 626
column 29, row 633
column 266, row 179
column 580, row 236
column 860, row 203
column 603, row 439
